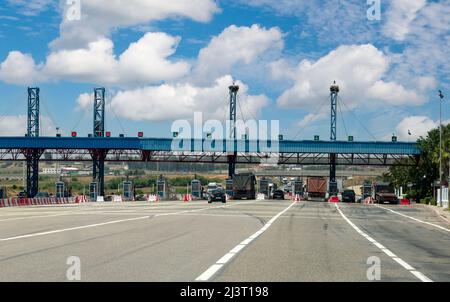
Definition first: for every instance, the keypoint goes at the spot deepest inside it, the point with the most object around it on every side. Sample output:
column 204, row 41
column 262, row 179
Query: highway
column 239, row 241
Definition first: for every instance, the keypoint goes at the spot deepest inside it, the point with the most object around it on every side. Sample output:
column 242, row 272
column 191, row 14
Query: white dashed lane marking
column 213, row 269
column 385, row 250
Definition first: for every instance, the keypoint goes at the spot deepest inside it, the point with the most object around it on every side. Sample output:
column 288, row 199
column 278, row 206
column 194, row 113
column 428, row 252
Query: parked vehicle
column 244, row 186
column 42, row 195
column 348, row 196
column 278, row 194
column 384, row 193
column 316, row 187
column 217, row 195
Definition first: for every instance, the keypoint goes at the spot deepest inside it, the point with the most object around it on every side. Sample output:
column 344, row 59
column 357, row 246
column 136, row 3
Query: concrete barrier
column 25, row 202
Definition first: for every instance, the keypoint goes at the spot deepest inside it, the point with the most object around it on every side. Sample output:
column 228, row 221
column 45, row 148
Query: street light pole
column 440, row 147
column 441, row 96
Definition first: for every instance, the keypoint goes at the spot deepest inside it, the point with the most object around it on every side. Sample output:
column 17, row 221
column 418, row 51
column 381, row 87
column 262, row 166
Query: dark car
column 42, row 195
column 278, row 194
column 217, row 195
column 348, row 196
column 22, row 195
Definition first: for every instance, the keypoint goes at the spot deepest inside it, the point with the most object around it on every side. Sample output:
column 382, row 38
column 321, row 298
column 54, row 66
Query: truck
column 384, row 192
column 316, row 188
column 244, row 186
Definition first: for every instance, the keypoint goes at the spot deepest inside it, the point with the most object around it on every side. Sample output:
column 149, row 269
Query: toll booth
column 264, row 186
column 229, row 187
column 128, row 190
column 196, row 188
column 93, row 191
column 60, row 189
column 333, row 185
column 3, row 194
column 298, row 187
column 162, row 188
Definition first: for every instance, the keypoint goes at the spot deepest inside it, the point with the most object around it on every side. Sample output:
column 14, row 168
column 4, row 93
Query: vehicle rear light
column 74, row 134
column 108, row 134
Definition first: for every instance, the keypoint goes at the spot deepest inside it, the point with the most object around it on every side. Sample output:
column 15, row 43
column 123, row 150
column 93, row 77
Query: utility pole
column 441, row 96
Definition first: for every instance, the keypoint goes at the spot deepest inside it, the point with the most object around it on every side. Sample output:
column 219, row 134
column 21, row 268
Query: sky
column 161, row 61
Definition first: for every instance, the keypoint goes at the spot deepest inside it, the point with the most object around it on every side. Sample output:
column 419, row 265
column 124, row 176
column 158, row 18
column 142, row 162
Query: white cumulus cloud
column 357, row 69
column 100, row 17
column 417, row 126
column 145, row 61
column 169, row 102
column 19, row 68
column 236, row 45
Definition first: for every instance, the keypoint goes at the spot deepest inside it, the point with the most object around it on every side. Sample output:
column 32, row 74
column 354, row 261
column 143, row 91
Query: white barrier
column 117, row 198
column 261, row 197
column 153, row 198
column 22, row 202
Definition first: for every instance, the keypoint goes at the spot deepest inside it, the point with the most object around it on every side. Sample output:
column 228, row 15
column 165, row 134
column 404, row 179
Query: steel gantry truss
column 234, row 89
column 334, row 92
column 32, row 155
column 252, row 158
column 98, row 155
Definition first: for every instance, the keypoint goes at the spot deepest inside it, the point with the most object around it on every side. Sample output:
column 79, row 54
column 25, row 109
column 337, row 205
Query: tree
column 426, row 172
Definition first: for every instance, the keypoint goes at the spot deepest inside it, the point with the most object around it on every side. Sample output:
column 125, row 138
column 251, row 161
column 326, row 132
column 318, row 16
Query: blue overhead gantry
column 100, row 147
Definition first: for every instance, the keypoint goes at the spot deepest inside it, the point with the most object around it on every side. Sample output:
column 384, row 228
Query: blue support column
column 234, row 89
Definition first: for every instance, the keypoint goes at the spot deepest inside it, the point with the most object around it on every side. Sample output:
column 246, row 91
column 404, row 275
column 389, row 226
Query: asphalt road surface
column 240, row 241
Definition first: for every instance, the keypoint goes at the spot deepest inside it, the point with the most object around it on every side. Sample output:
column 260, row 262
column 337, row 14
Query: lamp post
column 441, row 96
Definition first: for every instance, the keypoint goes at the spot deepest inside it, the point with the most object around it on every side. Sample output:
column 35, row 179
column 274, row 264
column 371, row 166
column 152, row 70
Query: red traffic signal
column 74, row 134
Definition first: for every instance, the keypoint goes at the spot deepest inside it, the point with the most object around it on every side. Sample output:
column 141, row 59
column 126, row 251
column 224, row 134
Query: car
column 42, row 195
column 349, row 196
column 22, row 195
column 278, row 194
column 334, row 198
column 141, row 197
column 217, row 195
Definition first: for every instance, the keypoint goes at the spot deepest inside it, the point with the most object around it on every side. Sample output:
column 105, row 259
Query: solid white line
column 394, row 257
column 112, row 222
column 415, row 219
column 212, row 270
column 73, row 229
column 33, row 217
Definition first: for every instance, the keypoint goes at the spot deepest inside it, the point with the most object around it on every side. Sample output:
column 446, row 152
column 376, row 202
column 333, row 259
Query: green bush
column 429, row 200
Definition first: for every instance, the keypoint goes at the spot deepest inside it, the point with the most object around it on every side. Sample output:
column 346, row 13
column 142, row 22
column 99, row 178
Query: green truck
column 244, row 186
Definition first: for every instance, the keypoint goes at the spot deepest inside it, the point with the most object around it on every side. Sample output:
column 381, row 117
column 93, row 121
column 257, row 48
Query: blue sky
column 162, row 60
